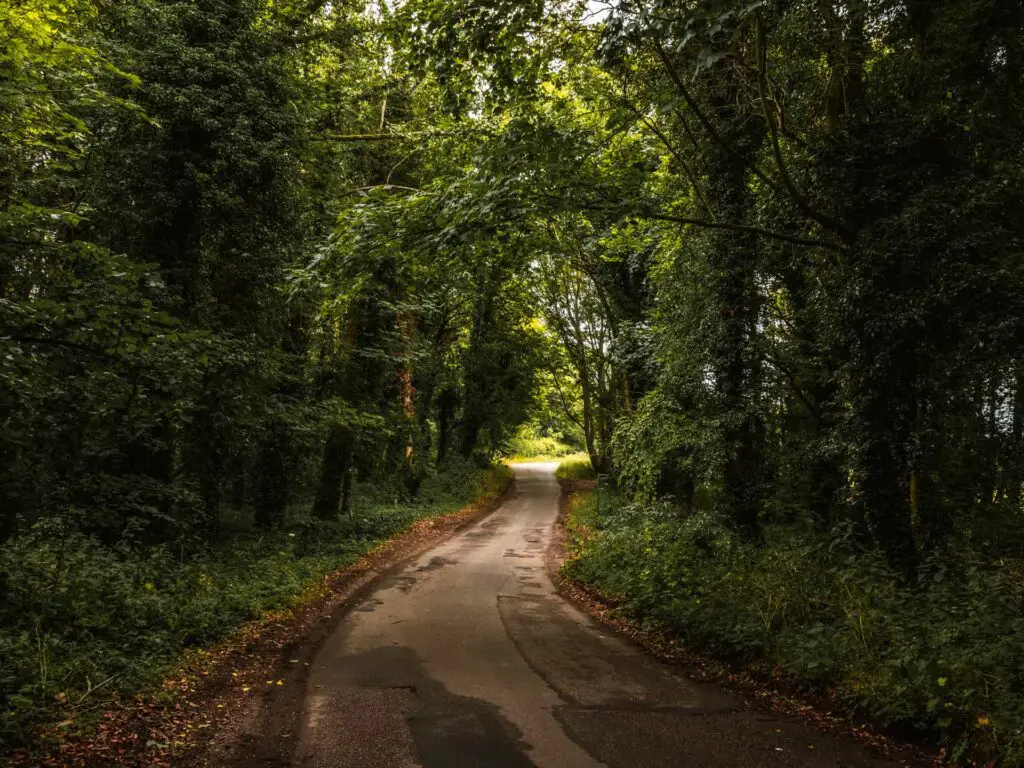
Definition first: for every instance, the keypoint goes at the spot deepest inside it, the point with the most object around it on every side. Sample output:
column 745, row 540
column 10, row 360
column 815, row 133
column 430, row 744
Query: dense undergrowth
column 942, row 655
column 81, row 621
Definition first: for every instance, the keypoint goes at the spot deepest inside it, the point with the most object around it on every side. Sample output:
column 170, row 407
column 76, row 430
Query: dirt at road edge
column 771, row 694
column 238, row 689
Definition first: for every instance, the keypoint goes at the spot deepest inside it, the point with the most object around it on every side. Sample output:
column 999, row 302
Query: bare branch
column 345, row 137
column 773, row 129
column 794, row 239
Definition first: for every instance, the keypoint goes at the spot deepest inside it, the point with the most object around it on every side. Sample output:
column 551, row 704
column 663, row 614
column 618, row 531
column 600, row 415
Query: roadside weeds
column 768, row 691
column 219, row 691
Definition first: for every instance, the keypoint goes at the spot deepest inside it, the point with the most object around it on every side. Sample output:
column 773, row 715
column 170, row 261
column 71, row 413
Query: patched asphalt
column 467, row 657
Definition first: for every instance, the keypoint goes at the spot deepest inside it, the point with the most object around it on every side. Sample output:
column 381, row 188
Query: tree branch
column 773, row 130
column 346, row 137
column 705, row 121
column 56, row 343
column 794, row 239
column 387, row 187
column 790, row 187
column 690, row 174
column 561, row 396
column 797, row 390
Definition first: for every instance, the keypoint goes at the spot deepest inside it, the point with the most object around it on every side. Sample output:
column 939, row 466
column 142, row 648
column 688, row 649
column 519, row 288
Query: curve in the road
column 468, row 657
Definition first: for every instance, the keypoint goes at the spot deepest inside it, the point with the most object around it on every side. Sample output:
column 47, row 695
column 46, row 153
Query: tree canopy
column 760, row 259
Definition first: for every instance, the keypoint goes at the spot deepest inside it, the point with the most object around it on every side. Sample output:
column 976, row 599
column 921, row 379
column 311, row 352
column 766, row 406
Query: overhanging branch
column 350, row 137
column 789, row 187
column 773, row 131
column 781, row 236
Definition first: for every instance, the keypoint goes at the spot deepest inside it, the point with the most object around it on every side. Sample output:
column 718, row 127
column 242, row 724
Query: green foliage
column 81, row 620
column 578, row 467
column 656, row 446
column 942, row 654
column 528, row 443
column 759, row 259
column 463, row 43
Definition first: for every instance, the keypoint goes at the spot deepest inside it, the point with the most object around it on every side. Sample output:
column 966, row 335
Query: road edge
column 261, row 729
column 220, row 693
column 753, row 690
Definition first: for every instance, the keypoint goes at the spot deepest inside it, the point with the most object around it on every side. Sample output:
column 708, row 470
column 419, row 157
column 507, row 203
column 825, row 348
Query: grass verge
column 576, row 467
column 815, row 614
column 84, row 629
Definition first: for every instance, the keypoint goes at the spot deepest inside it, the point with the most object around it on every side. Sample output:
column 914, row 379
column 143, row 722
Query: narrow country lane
column 468, row 657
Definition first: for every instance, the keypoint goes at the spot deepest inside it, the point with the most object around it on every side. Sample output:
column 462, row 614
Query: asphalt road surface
column 467, row 657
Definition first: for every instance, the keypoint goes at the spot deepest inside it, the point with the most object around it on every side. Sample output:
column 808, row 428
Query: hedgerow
column 942, row 654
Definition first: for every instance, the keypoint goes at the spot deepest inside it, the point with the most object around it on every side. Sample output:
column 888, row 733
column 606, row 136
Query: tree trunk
column 405, row 381
column 882, row 469
column 1015, row 470
column 333, row 473
column 732, row 258
column 273, row 480
column 470, row 434
column 446, row 403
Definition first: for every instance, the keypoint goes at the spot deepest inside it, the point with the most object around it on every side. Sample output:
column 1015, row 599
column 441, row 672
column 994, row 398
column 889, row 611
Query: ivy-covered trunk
column 734, row 357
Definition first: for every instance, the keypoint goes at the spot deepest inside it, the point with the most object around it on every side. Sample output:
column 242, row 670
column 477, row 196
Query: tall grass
column 576, row 467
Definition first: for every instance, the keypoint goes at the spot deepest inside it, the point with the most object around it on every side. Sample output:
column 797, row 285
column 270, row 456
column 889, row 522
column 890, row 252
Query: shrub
column 941, row 655
column 80, row 620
